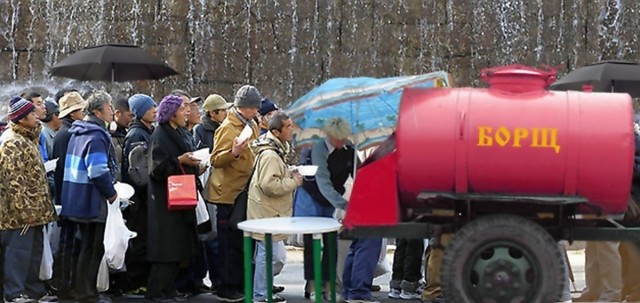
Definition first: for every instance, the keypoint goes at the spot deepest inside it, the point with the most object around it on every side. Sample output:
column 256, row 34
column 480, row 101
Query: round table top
column 291, row 225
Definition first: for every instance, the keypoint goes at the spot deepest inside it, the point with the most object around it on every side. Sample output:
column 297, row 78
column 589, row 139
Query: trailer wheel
column 502, row 258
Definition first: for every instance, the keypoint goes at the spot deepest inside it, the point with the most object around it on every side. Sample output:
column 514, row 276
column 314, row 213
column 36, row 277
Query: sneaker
column 376, row 288
column 276, row 299
column 48, row 299
column 394, row 293
column 138, row 293
column 370, row 300
column 21, row 299
column 408, row 295
column 231, row 296
column 278, row 289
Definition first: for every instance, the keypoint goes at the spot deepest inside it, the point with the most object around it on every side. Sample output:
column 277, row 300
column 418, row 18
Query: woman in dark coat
column 172, row 235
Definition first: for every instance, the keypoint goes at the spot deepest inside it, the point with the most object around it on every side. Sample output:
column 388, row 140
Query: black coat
column 204, row 132
column 60, row 144
column 172, row 234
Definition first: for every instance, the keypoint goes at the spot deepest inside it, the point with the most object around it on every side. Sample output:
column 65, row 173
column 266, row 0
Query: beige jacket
column 272, row 185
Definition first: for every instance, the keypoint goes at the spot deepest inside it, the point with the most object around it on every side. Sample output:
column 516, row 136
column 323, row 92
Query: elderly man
column 89, row 173
column 271, row 194
column 322, row 194
column 232, row 162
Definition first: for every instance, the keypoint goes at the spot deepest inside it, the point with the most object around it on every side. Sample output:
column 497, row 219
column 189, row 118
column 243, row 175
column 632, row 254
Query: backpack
column 138, row 163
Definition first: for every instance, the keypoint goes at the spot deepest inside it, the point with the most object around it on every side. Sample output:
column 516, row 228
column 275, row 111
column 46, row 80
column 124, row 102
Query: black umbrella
column 112, row 62
column 607, row 76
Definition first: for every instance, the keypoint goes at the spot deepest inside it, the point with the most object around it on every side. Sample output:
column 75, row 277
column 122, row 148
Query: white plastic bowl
column 124, row 190
column 202, row 155
column 307, row 170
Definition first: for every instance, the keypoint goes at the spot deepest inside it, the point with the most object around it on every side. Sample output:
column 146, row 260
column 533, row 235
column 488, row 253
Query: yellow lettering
column 484, row 133
column 540, row 137
column 545, row 138
column 535, row 134
column 519, row 134
column 553, row 143
column 502, row 136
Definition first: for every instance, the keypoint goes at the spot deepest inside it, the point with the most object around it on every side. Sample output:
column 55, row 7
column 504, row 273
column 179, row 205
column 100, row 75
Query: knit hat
column 71, row 102
column 168, row 108
column 19, row 108
column 214, row 102
column 52, row 109
column 140, row 104
column 267, row 107
column 247, row 96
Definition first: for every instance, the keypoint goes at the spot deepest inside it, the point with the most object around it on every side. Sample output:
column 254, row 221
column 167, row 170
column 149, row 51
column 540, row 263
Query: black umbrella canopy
column 607, row 76
column 112, row 62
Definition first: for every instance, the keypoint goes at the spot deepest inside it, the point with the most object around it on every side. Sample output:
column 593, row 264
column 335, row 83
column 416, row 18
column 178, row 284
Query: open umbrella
column 607, row 76
column 112, row 62
column 369, row 104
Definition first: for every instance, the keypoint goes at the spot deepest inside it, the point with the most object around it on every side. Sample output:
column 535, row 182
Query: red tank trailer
column 509, row 171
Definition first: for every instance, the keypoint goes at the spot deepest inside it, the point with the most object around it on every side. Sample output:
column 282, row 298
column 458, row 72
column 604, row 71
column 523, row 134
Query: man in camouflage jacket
column 25, row 205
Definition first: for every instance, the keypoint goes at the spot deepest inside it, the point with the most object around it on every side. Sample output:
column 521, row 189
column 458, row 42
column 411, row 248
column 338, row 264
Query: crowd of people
column 98, row 141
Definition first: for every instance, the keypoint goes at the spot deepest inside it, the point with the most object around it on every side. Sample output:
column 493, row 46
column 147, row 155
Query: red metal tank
column 516, row 138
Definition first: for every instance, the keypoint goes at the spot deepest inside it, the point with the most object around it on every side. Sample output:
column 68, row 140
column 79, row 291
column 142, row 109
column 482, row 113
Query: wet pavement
column 292, row 278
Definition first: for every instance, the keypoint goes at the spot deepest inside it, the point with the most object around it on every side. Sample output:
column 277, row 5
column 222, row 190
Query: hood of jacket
column 138, row 124
column 209, row 124
column 269, row 141
column 83, row 127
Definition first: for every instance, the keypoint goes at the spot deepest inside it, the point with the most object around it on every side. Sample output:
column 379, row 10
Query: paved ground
column 292, row 278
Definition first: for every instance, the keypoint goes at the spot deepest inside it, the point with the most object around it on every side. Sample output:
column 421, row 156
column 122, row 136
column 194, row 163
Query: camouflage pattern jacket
column 24, row 194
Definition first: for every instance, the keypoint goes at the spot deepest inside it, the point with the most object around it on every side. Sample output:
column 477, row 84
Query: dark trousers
column 162, row 277
column 214, row 263
column 308, row 257
column 231, row 252
column 407, row 261
column 359, row 267
column 66, row 258
column 191, row 277
column 138, row 266
column 91, row 252
column 22, row 257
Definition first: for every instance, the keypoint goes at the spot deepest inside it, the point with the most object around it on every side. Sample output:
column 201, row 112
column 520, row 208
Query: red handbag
column 181, row 192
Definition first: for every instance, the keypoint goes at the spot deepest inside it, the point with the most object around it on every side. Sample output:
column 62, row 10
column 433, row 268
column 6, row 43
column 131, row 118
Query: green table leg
column 317, row 266
column 331, row 247
column 269, row 260
column 248, row 275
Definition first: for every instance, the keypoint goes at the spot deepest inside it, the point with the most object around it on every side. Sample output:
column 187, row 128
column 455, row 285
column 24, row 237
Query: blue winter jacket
column 88, row 171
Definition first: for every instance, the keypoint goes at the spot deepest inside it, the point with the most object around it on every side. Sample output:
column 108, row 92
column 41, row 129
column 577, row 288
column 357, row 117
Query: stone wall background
column 286, row 47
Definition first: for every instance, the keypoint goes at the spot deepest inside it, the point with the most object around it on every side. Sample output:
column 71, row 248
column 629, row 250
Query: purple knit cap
column 168, row 108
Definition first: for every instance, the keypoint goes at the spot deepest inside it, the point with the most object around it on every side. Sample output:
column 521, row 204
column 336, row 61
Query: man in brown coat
column 232, row 163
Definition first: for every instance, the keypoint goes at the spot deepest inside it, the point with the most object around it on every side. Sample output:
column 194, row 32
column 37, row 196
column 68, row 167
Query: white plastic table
column 315, row 226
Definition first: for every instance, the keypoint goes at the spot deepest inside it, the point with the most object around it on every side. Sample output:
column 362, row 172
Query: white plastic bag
column 116, row 237
column 202, row 215
column 46, row 265
column 102, row 283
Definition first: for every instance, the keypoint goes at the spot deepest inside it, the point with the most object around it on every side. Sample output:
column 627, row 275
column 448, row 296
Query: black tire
column 502, row 258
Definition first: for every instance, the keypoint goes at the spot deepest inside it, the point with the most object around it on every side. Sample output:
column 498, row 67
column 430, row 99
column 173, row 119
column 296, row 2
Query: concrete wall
column 286, row 47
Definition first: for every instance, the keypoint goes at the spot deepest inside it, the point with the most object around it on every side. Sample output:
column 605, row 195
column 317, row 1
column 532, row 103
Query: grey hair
column 337, row 128
column 97, row 101
column 277, row 121
column 180, row 93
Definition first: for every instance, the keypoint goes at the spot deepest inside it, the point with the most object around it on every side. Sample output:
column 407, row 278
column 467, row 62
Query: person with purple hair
column 172, row 237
